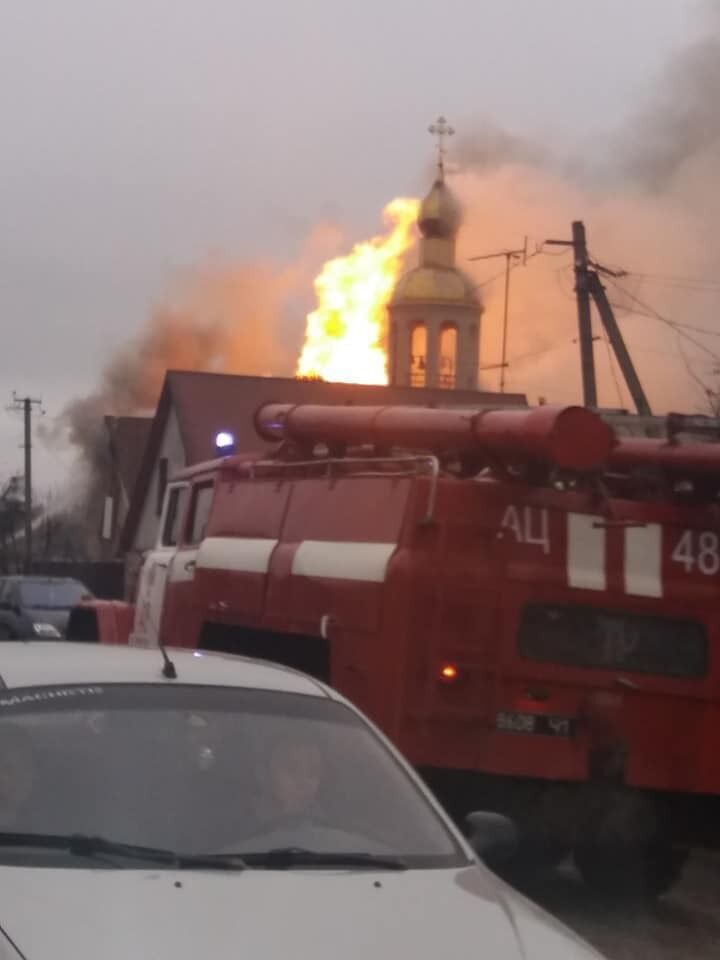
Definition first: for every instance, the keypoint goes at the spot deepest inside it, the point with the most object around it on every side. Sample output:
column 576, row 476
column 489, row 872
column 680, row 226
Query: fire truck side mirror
column 493, row 837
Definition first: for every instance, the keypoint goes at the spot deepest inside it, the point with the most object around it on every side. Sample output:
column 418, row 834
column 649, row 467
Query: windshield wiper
column 285, row 858
column 80, row 845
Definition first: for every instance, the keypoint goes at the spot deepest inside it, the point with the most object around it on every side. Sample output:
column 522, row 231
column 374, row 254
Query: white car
column 211, row 806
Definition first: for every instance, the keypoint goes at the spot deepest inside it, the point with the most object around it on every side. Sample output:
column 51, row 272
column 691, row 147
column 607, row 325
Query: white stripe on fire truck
column 241, row 554
column 342, row 560
column 643, row 560
column 585, row 552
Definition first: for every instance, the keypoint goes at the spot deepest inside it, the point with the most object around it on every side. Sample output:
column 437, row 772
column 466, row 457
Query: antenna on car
column 168, row 669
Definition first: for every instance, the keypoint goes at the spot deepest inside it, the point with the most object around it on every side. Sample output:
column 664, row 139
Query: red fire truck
column 525, row 605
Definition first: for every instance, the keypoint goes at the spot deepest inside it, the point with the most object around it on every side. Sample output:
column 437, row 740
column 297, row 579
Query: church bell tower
column 435, row 310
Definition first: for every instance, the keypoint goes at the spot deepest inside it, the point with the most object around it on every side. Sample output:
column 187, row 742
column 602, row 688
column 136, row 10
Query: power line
column 520, row 358
column 652, row 314
column 703, row 330
column 493, row 278
column 664, row 278
column 680, row 333
column 645, row 349
column 685, row 287
column 690, row 371
column 679, row 328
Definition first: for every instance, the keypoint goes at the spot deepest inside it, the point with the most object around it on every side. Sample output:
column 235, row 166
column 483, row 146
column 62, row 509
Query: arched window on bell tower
column 418, row 355
column 447, row 374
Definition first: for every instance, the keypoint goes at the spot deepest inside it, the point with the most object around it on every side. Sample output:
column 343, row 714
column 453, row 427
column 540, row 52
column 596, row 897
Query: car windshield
column 52, row 595
column 207, row 770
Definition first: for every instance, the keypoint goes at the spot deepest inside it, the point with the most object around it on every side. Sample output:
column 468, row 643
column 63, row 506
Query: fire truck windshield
column 206, row 770
column 576, row 636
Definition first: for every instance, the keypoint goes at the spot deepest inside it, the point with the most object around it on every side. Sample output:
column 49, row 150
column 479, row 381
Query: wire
column 703, row 330
column 691, row 373
column 492, row 279
column 707, row 283
column 560, row 275
column 538, row 353
column 691, row 281
column 679, row 328
column 641, row 347
column 647, row 311
column 684, row 287
column 679, row 334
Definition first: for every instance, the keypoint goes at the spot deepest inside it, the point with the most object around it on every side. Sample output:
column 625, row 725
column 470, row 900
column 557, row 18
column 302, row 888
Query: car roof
column 43, row 663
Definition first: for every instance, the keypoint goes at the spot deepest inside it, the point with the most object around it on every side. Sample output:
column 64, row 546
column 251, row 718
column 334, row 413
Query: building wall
column 172, row 451
column 171, row 458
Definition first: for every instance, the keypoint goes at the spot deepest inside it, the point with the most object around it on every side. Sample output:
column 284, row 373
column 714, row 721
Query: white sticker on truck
column 335, row 560
column 585, row 552
column 643, row 560
column 239, row 554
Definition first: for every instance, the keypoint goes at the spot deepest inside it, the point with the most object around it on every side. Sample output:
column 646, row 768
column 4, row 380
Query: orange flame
column 345, row 334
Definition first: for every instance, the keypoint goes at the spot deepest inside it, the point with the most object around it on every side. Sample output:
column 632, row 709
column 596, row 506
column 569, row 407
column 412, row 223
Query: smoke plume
column 224, row 317
column 653, row 215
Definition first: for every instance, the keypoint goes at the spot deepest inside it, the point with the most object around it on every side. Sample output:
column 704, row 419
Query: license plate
column 510, row 721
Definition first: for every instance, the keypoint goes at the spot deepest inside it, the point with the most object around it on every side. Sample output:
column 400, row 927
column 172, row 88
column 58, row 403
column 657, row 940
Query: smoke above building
column 652, row 211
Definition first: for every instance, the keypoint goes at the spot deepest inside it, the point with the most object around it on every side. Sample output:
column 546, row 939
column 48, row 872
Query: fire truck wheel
column 625, row 843
column 632, row 871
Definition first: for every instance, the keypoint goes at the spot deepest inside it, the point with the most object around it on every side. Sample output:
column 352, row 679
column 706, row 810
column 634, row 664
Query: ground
column 683, row 925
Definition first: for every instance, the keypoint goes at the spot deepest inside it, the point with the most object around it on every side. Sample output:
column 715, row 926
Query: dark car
column 38, row 607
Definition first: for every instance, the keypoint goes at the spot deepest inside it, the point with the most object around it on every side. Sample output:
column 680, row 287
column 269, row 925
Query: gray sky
column 138, row 136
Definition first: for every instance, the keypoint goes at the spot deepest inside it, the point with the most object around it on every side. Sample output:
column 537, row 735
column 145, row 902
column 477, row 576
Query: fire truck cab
column 509, row 595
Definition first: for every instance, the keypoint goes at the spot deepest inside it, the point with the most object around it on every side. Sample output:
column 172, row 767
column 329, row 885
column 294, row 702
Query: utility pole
column 510, row 256
column 26, row 404
column 587, row 286
column 618, row 344
column 582, row 292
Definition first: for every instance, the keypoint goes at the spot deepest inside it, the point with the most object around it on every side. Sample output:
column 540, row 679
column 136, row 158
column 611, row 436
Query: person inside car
column 291, row 778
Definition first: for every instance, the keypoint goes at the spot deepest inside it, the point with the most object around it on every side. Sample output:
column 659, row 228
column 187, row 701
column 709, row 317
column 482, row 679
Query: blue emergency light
column 224, row 443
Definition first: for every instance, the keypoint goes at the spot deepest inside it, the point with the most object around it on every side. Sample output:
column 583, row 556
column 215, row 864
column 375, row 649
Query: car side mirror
column 491, row 835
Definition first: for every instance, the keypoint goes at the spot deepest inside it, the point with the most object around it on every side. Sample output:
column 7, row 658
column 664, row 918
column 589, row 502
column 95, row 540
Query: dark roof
column 38, row 578
column 208, row 402
column 127, row 437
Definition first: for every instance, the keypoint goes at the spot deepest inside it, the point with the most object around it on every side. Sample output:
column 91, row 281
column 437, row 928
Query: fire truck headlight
column 224, row 443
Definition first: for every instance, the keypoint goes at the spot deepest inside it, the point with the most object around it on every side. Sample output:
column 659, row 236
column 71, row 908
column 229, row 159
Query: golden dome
column 429, row 284
column 439, row 212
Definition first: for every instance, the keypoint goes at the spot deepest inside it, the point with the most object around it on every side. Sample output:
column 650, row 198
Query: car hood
column 168, row 915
